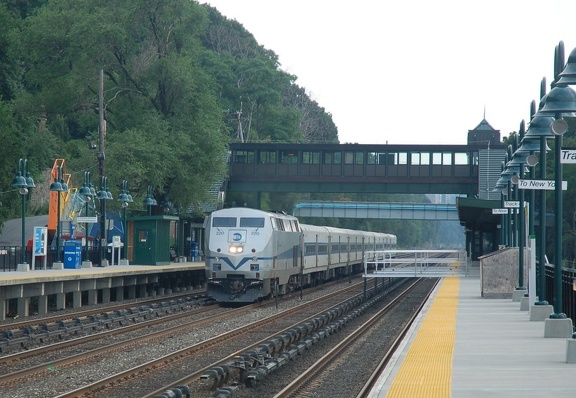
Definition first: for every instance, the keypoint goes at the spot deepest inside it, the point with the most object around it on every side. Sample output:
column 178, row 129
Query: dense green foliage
column 180, row 82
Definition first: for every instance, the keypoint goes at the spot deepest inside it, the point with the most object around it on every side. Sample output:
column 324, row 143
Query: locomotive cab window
column 224, row 222
column 252, row 222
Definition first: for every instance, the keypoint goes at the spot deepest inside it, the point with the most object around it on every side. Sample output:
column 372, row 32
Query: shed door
column 144, row 247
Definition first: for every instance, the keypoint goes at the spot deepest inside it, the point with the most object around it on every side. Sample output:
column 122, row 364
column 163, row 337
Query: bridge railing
column 415, row 263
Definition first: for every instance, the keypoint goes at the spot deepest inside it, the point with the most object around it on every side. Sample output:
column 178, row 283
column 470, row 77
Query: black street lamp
column 519, row 159
column 103, row 195
column 23, row 181
column 502, row 187
column 125, row 198
column 561, row 99
column 58, row 186
column 150, row 201
column 539, row 129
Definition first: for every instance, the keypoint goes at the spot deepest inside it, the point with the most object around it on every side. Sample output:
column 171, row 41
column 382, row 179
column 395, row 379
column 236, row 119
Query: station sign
column 540, row 184
column 568, row 156
column 512, row 204
column 499, row 211
column 88, row 220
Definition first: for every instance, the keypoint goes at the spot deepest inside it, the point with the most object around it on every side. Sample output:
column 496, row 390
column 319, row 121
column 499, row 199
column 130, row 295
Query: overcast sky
column 414, row 72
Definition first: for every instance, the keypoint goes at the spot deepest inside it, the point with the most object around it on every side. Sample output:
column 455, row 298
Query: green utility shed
column 151, row 237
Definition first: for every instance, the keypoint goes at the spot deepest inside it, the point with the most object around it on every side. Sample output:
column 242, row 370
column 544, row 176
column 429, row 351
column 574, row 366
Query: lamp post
column 502, row 187
column 510, row 170
column 58, row 186
column 539, row 129
column 519, row 158
column 103, row 195
column 150, row 201
column 560, row 100
column 87, row 191
column 23, row 181
column 125, row 198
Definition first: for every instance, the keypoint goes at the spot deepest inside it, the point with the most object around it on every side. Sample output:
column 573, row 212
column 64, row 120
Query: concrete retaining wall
column 499, row 273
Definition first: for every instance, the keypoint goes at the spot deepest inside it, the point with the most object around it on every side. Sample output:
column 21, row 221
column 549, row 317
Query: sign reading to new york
column 540, row 184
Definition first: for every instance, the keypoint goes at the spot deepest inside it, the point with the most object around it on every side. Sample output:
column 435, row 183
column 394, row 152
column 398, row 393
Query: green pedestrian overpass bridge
column 470, row 170
column 397, row 211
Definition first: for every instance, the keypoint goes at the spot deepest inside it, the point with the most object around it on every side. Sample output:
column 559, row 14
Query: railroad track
column 70, row 314
column 311, row 382
column 59, row 366
column 191, row 362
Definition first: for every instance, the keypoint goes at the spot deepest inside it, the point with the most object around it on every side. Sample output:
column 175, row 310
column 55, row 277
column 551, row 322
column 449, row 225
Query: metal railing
column 568, row 290
column 416, row 263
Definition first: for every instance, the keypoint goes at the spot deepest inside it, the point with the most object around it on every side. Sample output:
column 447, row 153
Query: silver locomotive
column 251, row 254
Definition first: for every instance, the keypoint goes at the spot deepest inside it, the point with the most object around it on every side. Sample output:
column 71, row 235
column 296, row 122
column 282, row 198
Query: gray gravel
column 59, row 381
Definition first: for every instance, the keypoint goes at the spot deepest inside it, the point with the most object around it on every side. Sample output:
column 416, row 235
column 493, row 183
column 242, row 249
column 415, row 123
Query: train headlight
column 236, row 249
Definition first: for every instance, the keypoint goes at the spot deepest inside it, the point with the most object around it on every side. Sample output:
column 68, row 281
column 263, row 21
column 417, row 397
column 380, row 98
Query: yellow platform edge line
column 426, row 371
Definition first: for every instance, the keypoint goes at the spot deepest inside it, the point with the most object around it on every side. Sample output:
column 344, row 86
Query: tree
column 164, row 121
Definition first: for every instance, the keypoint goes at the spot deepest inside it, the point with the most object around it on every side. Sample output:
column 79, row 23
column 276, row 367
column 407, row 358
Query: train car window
column 252, row 222
column 224, row 222
column 296, row 226
column 287, row 225
column 310, row 248
column 280, row 224
column 335, row 248
column 343, row 248
column 322, row 249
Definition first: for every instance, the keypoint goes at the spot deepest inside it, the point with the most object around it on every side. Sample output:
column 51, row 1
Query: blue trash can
column 73, row 254
column 194, row 254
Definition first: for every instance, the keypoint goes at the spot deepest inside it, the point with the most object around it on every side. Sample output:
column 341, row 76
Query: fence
column 416, row 263
column 568, row 290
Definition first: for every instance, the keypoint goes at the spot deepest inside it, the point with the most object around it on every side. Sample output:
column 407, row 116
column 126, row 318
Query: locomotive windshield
column 252, row 222
column 224, row 222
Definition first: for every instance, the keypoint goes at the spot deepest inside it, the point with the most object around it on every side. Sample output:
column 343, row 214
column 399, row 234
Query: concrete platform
column 25, row 292
column 497, row 351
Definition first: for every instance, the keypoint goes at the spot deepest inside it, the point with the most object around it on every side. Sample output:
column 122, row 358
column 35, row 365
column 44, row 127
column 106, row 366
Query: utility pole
column 102, row 170
column 102, row 128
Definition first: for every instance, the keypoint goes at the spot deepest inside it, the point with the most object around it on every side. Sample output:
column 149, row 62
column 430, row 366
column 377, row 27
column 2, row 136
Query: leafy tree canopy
column 180, row 81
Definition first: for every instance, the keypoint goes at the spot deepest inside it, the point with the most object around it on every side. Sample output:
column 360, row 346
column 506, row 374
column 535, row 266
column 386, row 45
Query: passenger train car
column 251, row 253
